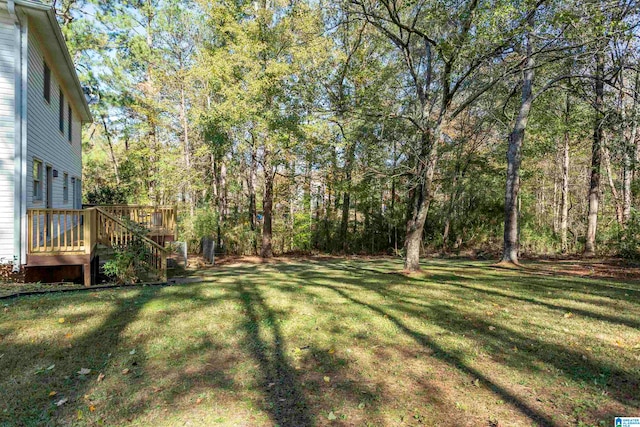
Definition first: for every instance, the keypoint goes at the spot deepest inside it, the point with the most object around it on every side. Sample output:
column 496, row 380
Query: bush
column 127, row 264
column 107, row 196
column 193, row 228
column 629, row 243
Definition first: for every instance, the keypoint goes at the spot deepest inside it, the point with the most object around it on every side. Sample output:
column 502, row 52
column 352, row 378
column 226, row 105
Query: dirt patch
column 602, row 269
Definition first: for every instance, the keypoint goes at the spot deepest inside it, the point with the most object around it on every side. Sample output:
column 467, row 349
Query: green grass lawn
column 322, row 342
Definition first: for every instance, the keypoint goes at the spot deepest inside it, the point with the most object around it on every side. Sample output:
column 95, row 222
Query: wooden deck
column 70, row 236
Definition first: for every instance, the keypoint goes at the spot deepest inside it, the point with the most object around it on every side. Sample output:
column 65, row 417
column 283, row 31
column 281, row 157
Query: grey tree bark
column 596, row 158
column 564, row 198
column 267, row 208
column 514, row 155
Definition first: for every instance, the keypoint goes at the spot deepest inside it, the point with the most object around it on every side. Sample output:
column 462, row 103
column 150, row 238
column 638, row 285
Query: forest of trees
column 499, row 127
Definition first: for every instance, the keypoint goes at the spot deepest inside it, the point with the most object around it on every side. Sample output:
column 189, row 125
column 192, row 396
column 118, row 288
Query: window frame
column 70, row 123
column 46, row 90
column 61, row 112
column 38, row 180
column 65, row 188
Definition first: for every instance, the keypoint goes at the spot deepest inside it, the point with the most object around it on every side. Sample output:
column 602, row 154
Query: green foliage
column 127, row 263
column 193, row 228
column 629, row 243
column 106, row 195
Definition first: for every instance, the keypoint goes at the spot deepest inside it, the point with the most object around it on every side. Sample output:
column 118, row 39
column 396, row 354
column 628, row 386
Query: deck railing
column 59, row 231
column 117, row 233
column 156, row 219
column 74, row 231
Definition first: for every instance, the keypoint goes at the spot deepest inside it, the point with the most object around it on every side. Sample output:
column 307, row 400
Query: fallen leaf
column 79, row 414
column 331, row 416
column 61, row 320
column 92, row 408
column 568, row 315
column 327, row 379
column 53, row 393
column 331, row 351
column 198, row 401
column 125, row 371
column 476, row 382
column 84, row 371
column 132, row 352
column 492, row 328
column 100, row 377
column 62, row 402
column 67, row 335
column 51, row 367
column 361, row 405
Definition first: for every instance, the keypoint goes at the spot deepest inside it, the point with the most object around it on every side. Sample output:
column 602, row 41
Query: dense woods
column 366, row 126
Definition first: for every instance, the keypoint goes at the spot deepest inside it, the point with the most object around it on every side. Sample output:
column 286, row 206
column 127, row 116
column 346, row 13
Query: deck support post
column 86, row 272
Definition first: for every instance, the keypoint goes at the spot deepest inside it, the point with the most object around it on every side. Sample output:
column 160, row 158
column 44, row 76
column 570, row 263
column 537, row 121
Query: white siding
column 44, row 139
column 7, row 132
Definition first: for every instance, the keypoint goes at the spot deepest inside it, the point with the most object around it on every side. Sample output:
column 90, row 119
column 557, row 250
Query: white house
column 42, row 108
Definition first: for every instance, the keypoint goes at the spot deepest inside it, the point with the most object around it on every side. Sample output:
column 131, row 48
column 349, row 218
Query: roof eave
column 28, row 5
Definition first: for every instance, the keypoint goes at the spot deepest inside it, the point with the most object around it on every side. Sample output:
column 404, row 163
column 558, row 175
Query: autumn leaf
column 61, row 402
column 92, row 408
column 331, row 416
column 61, row 320
column 100, row 377
column 84, row 371
column 53, row 393
column 327, row 379
column 125, row 371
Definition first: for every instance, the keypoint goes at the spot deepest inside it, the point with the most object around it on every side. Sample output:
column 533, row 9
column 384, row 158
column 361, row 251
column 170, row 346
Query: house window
column 70, row 124
column 61, row 112
column 78, row 195
column 47, row 83
column 65, row 188
column 37, row 180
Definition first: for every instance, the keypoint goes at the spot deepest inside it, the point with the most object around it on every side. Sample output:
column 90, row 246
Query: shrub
column 193, row 228
column 127, row 264
column 629, row 242
column 107, row 196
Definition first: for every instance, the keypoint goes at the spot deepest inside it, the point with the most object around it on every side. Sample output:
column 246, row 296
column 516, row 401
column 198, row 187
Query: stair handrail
column 163, row 251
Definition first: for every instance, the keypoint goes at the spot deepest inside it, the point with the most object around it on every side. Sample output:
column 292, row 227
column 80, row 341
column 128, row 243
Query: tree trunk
column 114, row 161
column 628, row 163
column 564, row 198
column 267, row 207
column 420, row 202
column 346, row 196
column 596, row 159
column 224, row 210
column 612, row 186
column 251, row 186
column 514, row 158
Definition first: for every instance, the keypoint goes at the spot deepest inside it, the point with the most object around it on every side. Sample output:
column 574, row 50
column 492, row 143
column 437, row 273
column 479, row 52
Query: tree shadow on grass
column 447, row 356
column 26, row 389
column 129, row 388
column 280, row 385
column 572, row 363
